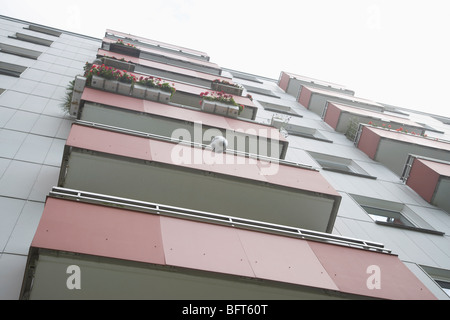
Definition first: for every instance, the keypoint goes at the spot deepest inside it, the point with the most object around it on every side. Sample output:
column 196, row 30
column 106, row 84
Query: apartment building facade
column 319, row 194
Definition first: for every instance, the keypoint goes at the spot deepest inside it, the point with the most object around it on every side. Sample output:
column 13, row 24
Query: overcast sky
column 394, row 52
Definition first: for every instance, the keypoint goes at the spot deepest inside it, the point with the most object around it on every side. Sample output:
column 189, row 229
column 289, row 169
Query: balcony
column 195, row 126
column 392, row 147
column 291, row 83
column 128, row 249
column 343, row 117
column 164, row 70
column 171, row 172
column 190, row 96
column 167, row 58
column 125, row 49
column 162, row 46
column 185, row 95
column 430, row 178
column 316, row 99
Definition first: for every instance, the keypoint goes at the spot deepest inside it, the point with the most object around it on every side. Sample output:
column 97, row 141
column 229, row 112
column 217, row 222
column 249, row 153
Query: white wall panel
column 12, row 268
column 10, row 142
column 34, row 148
column 9, row 214
column 18, row 179
column 22, row 235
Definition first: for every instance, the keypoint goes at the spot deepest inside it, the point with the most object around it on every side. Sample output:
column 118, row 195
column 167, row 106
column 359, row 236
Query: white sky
column 395, row 52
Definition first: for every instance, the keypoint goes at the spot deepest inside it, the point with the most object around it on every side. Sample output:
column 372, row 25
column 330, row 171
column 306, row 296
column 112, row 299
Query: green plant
column 227, row 83
column 67, row 101
column 126, row 78
column 119, row 41
column 158, row 83
column 111, row 73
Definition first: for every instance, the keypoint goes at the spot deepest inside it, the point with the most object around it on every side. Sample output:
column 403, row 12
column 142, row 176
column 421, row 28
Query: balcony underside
column 112, row 279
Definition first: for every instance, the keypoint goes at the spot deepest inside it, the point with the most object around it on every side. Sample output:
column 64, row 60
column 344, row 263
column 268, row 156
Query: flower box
column 111, row 85
column 222, row 108
column 80, row 83
column 217, row 107
column 152, row 94
column 208, row 106
column 98, row 82
column 124, row 88
column 226, row 88
column 139, row 91
column 233, row 111
column 155, row 94
column 164, row 96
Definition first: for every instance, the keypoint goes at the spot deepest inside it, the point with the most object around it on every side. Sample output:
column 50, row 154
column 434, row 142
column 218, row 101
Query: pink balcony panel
column 424, row 177
column 101, row 231
column 332, row 115
column 338, row 116
column 431, row 180
column 151, row 107
column 204, row 246
column 368, row 142
column 161, row 151
column 305, row 97
column 391, row 147
column 315, row 99
column 284, row 259
column 350, row 270
column 283, row 82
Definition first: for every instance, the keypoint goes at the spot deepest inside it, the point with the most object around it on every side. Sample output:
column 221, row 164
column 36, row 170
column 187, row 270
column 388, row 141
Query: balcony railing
column 230, row 221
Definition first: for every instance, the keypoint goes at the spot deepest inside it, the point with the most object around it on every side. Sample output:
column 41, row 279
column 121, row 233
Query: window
column 393, row 214
column 440, row 276
column 444, row 285
column 245, row 76
column 281, row 122
column 44, row 30
column 387, row 216
column 18, row 51
column 338, row 164
column 31, row 39
column 261, row 91
column 279, row 108
column 10, row 69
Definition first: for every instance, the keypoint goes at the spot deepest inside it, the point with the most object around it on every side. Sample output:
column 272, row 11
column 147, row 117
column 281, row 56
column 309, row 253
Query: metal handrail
column 177, row 212
column 192, row 144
